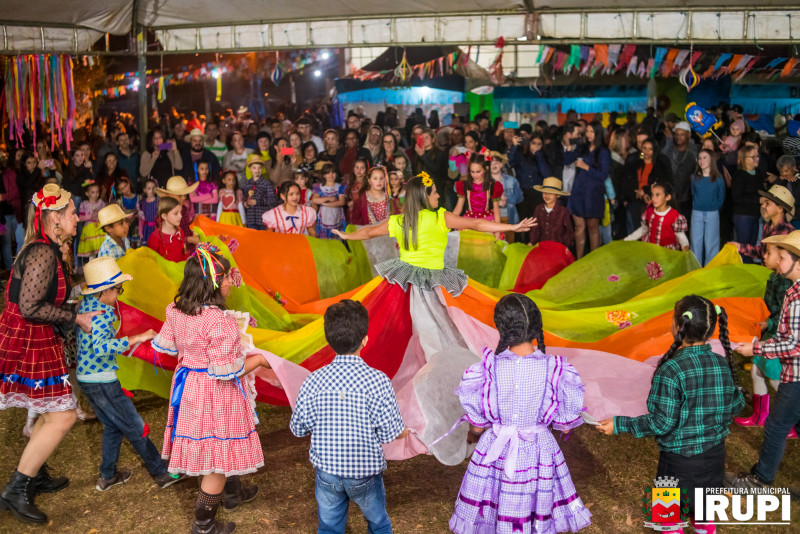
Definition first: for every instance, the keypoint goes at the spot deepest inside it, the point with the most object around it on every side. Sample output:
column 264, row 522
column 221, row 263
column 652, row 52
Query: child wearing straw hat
column 777, row 209
column 785, row 346
column 114, row 223
column 260, row 193
column 555, row 222
column 97, row 377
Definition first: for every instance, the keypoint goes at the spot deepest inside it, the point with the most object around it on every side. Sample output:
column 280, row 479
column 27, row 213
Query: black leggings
column 705, row 470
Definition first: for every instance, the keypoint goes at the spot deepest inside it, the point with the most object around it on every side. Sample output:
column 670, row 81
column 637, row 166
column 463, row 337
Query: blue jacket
column 513, row 195
column 530, row 172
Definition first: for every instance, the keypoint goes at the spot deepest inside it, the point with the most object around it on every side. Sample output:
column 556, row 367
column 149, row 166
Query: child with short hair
column 92, row 235
column 291, row 217
column 661, row 223
column 693, row 398
column 114, row 223
column 777, row 208
column 513, row 397
column 128, row 200
column 97, row 377
column 230, row 209
column 763, row 368
column 553, row 218
column 148, row 211
column 211, row 419
column 349, row 409
column 168, row 239
column 785, row 346
column 205, row 197
column 261, row 195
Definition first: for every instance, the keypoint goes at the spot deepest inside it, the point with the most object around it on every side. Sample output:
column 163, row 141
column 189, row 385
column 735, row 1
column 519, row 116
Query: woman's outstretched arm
column 365, row 232
column 454, row 222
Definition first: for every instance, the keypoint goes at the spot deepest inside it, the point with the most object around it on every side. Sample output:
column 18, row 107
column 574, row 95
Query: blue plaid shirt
column 349, row 409
column 97, row 352
column 112, row 248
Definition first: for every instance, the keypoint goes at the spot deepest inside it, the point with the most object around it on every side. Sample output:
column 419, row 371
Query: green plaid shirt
column 691, row 403
column 773, row 298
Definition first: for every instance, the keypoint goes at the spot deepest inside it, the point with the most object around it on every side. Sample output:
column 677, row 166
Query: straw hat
column 253, row 159
column 498, row 156
column 51, row 197
column 109, row 215
column 103, row 273
column 551, row 185
column 197, row 132
column 177, row 186
column 782, row 197
column 790, row 242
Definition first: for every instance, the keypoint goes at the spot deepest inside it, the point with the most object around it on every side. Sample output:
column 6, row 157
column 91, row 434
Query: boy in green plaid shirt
column 693, row 398
column 763, row 368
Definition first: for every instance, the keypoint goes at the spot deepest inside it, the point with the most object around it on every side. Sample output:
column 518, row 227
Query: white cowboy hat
column 103, row 273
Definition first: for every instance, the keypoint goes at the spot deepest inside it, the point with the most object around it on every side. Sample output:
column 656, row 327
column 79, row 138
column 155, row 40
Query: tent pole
column 141, row 48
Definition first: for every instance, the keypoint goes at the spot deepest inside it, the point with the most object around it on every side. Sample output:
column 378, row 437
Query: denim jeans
column 784, row 414
column 705, row 235
column 334, row 494
column 120, row 420
column 11, row 231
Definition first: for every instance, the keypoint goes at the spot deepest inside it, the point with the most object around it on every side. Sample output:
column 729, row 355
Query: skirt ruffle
column 399, row 272
column 230, row 217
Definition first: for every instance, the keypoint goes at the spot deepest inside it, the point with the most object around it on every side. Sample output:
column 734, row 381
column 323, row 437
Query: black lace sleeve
column 38, row 277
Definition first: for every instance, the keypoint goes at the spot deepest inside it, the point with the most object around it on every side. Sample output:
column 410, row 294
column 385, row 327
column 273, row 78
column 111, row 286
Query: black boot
column 44, row 483
column 205, row 511
column 18, row 497
column 235, row 493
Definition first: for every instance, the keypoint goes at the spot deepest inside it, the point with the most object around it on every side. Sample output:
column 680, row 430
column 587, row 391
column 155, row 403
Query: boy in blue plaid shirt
column 784, row 415
column 692, row 400
column 349, row 409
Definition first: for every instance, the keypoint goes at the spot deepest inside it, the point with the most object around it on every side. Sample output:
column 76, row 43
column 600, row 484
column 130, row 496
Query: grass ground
column 609, row 472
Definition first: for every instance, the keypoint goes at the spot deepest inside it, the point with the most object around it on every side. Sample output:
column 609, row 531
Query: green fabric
column 515, row 254
column 691, row 403
column 337, row 273
column 481, row 257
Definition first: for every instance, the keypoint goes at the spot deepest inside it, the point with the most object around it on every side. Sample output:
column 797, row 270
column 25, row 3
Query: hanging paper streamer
column 162, row 90
column 689, row 78
column 219, row 88
column 277, row 75
column 403, row 72
column 39, row 88
column 701, row 120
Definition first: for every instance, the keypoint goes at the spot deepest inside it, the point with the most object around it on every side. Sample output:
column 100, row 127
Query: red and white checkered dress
column 215, row 431
column 33, row 370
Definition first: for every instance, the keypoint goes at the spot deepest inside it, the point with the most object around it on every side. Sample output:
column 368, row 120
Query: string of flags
column 639, row 61
column 39, row 88
column 404, row 72
column 269, row 66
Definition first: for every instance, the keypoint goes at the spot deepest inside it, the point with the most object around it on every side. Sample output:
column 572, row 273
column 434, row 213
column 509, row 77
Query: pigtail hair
column 726, row 343
column 540, row 342
column 502, row 345
column 683, row 321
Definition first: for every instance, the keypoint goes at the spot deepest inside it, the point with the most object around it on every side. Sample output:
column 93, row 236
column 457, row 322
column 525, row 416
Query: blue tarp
column 583, row 99
column 767, row 99
column 405, row 96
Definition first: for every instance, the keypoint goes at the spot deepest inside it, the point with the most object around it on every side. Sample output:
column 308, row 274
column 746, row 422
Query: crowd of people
column 578, row 183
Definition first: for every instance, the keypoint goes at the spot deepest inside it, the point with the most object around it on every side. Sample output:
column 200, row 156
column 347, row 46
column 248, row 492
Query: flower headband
column 427, row 181
column 211, row 265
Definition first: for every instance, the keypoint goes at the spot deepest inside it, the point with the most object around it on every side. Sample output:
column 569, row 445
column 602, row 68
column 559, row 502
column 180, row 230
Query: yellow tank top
column 431, row 239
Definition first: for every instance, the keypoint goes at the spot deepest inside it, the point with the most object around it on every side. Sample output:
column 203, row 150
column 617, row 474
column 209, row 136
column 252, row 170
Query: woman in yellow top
column 421, row 232
column 437, row 352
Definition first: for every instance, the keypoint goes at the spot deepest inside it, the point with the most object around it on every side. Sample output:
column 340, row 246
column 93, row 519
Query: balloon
column 701, row 120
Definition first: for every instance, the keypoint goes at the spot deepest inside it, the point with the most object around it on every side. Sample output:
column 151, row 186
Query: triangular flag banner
column 720, row 60
column 654, row 63
column 613, row 54
column 601, row 53
column 742, row 62
column 679, row 60
column 788, row 67
column 632, row 66
column 668, row 62
column 627, row 53
column 574, row 57
column 775, row 62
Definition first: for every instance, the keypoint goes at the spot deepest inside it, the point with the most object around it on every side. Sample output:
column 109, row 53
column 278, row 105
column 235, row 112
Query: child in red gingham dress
column 662, row 224
column 211, row 420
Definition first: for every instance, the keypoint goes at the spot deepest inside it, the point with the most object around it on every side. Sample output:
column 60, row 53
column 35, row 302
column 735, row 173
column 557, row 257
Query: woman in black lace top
column 33, row 371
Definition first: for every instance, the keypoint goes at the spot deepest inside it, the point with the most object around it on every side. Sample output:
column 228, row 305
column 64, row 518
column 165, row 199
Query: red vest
column 661, row 225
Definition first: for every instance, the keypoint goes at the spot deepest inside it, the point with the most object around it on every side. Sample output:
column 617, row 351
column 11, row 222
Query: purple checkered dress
column 517, row 479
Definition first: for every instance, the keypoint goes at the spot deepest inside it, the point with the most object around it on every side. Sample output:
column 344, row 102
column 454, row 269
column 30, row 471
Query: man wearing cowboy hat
column 198, row 152
column 777, row 209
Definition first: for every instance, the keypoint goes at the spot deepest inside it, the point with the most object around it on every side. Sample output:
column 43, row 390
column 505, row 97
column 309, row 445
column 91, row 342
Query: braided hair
column 518, row 320
column 696, row 319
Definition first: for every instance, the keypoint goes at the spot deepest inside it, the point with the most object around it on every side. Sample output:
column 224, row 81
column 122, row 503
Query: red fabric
column 542, row 263
column 171, row 247
column 660, row 229
column 32, row 350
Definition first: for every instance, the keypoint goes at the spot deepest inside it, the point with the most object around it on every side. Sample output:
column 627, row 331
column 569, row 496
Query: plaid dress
column 214, row 431
column 517, row 479
column 263, row 191
column 33, row 370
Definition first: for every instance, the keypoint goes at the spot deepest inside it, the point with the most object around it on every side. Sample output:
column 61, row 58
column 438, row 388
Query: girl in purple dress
column 517, row 480
column 148, row 211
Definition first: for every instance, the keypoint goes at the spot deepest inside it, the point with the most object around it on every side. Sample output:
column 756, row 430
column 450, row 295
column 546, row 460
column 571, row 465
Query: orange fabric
column 263, row 268
column 644, row 174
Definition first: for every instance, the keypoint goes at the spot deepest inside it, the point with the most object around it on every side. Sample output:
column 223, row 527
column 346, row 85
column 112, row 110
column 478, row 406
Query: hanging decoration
column 39, row 88
column 403, row 71
column 496, row 68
